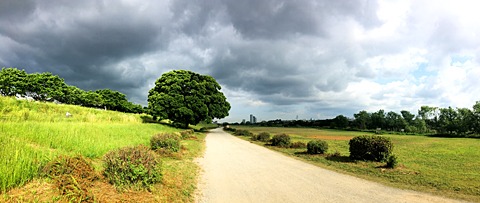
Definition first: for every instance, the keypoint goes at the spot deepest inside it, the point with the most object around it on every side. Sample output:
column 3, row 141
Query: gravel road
column 235, row 170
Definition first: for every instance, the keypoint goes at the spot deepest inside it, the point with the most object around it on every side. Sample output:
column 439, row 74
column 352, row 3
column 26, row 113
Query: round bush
column 317, row 147
column 167, row 141
column 281, row 140
column 132, row 166
column 372, row 148
column 264, row 137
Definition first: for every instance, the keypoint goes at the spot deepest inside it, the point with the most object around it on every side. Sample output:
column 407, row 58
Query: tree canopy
column 187, row 98
column 48, row 87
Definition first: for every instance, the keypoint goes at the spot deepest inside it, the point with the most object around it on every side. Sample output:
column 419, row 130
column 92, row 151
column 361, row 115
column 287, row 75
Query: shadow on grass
column 342, row 159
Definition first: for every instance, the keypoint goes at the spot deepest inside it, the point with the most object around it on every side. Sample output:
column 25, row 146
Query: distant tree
column 92, row 99
column 466, row 121
column 430, row 116
column 340, row 121
column 12, row 82
column 448, row 120
column 476, row 117
column 407, row 116
column 113, row 100
column 362, row 119
column 378, row 119
column 187, row 98
column 394, row 121
column 45, row 86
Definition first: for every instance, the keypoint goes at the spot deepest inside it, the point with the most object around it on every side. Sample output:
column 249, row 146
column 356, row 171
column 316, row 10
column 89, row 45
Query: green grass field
column 33, row 133
column 443, row 166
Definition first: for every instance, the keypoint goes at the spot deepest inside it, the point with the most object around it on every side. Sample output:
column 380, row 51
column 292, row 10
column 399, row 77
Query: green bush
column 317, row 147
column 166, row 141
column 227, row 128
column 392, row 161
column 372, row 148
column 264, row 137
column 281, row 140
column 132, row 166
column 242, row 133
column 298, row 145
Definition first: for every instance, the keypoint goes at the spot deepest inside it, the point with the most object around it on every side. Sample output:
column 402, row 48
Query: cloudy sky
column 273, row 58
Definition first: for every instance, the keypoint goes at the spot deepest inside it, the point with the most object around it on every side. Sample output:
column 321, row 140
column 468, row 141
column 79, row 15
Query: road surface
column 235, row 170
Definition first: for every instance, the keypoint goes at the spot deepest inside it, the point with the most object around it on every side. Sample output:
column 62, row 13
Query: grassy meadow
column 442, row 166
column 33, row 133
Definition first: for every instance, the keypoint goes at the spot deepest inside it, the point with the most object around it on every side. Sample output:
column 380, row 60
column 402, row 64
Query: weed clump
column 132, row 166
column 372, row 148
column 317, row 147
column 298, row 145
column 73, row 176
column 281, row 140
column 165, row 141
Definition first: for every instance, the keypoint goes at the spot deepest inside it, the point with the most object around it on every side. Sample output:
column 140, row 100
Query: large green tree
column 12, row 82
column 187, row 98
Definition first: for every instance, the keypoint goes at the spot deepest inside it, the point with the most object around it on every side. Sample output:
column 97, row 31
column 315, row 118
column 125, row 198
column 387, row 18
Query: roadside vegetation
column 442, row 166
column 34, row 135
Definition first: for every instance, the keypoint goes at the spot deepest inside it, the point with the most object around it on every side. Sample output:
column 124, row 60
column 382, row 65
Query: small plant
column 242, row 133
column 166, row 141
column 281, row 140
column 132, row 166
column 373, row 148
column 392, row 161
column 298, row 145
column 228, row 128
column 186, row 133
column 317, row 147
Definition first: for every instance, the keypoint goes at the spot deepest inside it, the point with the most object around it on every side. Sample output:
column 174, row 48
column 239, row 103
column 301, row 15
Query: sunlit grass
column 444, row 166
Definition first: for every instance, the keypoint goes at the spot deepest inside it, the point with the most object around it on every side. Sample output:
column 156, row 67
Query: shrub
column 242, row 133
column 373, row 148
column 298, row 144
column 392, row 161
column 132, row 166
column 227, row 128
column 264, row 137
column 317, row 147
column 166, row 141
column 73, row 176
column 281, row 140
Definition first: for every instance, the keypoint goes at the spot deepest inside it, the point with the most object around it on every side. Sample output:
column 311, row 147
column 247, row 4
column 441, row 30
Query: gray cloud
column 317, row 57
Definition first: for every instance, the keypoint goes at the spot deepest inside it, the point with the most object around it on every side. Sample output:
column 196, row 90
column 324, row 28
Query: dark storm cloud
column 80, row 42
column 280, row 51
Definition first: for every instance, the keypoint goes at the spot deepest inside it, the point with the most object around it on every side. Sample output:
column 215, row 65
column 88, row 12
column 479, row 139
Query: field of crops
column 443, row 166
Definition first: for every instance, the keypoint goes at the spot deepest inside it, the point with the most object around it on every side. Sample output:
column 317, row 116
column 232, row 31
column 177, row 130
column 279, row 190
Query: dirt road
column 238, row 171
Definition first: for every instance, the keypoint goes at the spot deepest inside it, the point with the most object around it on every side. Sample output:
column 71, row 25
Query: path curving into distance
column 235, row 170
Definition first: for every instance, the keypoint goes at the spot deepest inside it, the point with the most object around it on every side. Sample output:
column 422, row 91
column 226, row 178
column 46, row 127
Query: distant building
column 253, row 119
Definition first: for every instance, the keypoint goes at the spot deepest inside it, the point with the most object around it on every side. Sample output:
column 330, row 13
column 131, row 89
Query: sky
column 275, row 59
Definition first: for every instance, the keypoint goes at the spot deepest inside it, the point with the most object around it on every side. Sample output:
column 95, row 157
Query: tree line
column 452, row 122
column 48, row 87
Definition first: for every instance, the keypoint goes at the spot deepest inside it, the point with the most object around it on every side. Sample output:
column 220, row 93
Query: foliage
column 187, row 133
column 280, row 140
column 132, row 166
column 392, row 161
column 370, row 147
column 317, row 147
column 298, row 145
column 165, row 141
column 73, row 176
column 48, row 87
column 263, row 136
column 242, row 133
column 340, row 122
column 186, row 97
